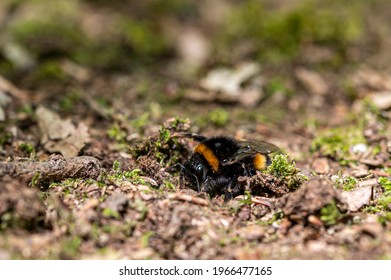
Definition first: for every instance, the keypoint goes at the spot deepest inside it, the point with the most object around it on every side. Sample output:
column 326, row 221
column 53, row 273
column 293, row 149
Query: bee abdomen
column 260, row 161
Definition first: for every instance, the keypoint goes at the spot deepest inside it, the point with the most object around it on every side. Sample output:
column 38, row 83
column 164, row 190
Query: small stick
column 56, row 168
column 188, row 198
column 7, row 86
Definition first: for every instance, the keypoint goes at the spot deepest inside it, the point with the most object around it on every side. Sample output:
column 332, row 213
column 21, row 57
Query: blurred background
column 99, row 78
column 225, row 64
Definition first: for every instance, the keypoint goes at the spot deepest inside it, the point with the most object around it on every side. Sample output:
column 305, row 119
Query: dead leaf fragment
column 251, row 232
column 321, row 165
column 229, row 80
column 312, row 81
column 193, row 48
column 382, row 100
column 310, row 198
column 4, row 101
column 59, row 135
column 357, row 198
column 8, row 87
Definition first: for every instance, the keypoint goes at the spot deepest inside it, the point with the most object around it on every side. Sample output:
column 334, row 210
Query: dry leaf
column 382, row 100
column 357, row 198
column 59, row 135
column 312, row 81
column 229, row 81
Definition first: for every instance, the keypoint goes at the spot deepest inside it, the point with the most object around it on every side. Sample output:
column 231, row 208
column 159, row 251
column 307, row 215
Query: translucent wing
column 258, row 147
column 249, row 149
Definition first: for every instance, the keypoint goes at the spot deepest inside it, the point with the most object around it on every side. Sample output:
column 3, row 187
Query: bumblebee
column 217, row 162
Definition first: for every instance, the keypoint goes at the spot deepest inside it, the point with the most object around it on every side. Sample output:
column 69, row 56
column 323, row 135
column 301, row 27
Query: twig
column 56, row 168
column 7, row 86
column 188, row 198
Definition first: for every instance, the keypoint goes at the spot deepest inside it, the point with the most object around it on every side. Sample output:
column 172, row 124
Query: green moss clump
column 49, row 71
column 336, row 143
column 218, row 117
column 70, row 100
column 117, row 133
column 382, row 205
column 279, row 34
column 385, row 199
column 26, row 148
column 347, row 183
column 163, row 147
column 70, row 247
column 330, row 215
column 102, row 55
column 46, row 37
column 285, row 169
column 141, row 37
column 5, row 136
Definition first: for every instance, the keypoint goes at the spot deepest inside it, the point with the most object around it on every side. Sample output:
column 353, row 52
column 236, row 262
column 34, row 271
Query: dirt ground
column 93, row 96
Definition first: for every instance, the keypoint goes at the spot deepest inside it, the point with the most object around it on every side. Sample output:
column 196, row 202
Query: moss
column 347, row 183
column 285, row 169
column 71, row 99
column 119, row 134
column 385, row 199
column 277, row 85
column 49, row 71
column 330, row 214
column 337, row 143
column 163, row 147
column 5, row 136
column 279, row 34
column 102, row 55
column 70, row 247
column 382, row 205
column 246, row 200
column 140, row 122
column 140, row 207
column 143, row 38
column 144, row 240
column 26, row 148
column 118, row 175
column 218, row 117
column 386, row 184
column 110, row 213
column 47, row 37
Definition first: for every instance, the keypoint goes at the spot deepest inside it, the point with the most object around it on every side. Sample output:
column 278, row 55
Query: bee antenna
column 198, row 183
column 176, row 164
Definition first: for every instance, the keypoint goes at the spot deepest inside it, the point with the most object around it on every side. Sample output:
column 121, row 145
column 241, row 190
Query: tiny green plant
column 330, row 214
column 163, row 147
column 337, row 143
column 285, row 169
column 347, row 183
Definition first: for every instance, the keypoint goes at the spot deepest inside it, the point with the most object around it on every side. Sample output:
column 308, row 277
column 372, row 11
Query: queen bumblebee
column 217, row 162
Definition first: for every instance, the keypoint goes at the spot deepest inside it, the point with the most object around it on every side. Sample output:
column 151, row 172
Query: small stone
column 359, row 148
column 357, row 198
column 252, row 232
column 382, row 100
column 321, row 166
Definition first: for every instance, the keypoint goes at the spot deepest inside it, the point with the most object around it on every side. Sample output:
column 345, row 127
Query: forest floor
column 89, row 155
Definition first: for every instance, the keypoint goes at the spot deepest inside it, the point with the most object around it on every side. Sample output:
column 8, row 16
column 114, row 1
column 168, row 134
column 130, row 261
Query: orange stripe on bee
column 208, row 155
column 260, row 161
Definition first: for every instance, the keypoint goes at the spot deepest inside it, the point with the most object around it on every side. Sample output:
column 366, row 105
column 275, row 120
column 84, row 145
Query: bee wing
column 249, row 149
column 261, row 147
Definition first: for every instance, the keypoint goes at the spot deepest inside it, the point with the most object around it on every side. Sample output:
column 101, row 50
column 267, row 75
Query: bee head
column 195, row 170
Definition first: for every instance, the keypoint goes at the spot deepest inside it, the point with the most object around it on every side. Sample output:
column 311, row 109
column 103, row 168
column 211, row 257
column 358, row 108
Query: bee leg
column 233, row 189
column 211, row 186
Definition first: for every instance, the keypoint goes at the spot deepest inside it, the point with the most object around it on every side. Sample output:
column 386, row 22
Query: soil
column 91, row 164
